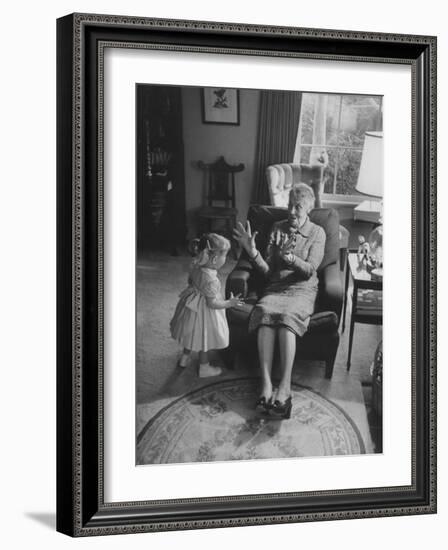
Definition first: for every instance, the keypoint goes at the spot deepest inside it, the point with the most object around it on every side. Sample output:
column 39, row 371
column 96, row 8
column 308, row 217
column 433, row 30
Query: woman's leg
column 266, row 342
column 287, row 343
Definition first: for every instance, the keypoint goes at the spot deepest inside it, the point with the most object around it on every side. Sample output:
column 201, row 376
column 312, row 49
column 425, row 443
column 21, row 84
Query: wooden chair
column 220, row 199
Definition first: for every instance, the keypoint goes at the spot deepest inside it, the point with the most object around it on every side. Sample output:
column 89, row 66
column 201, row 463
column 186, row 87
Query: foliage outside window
column 332, row 128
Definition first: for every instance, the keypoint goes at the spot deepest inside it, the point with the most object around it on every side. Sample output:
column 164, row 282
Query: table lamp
column 370, row 178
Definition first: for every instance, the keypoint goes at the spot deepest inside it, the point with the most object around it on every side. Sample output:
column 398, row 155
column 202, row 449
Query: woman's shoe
column 282, row 410
column 262, row 404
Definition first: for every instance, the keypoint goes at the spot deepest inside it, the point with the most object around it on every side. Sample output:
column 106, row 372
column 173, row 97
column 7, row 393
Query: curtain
column 277, row 134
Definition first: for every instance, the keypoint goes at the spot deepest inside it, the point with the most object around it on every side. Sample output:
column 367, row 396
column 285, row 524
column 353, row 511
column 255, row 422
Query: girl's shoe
column 281, row 410
column 208, row 370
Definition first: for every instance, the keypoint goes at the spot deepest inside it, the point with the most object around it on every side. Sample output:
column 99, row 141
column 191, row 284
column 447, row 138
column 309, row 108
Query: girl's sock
column 184, row 360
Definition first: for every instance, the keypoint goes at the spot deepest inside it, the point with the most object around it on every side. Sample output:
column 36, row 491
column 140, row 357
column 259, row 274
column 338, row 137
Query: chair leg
column 329, row 365
column 342, row 258
column 331, row 358
column 347, row 271
column 350, row 342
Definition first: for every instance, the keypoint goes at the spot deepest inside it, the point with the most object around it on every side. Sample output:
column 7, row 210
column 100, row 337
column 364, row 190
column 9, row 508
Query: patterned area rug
column 218, row 422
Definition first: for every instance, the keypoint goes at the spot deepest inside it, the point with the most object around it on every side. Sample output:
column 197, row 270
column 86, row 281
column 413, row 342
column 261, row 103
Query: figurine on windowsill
column 323, row 158
column 364, row 255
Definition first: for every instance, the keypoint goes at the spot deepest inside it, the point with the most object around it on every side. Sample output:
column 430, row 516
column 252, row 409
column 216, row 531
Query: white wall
column 207, row 142
column 28, row 272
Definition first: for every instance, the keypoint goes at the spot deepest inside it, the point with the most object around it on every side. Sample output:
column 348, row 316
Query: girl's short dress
column 194, row 325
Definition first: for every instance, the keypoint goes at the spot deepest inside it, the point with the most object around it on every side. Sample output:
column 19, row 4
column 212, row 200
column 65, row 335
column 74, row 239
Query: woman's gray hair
column 300, row 191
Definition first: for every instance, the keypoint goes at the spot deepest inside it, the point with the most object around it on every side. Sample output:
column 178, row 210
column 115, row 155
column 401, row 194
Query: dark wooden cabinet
column 160, row 169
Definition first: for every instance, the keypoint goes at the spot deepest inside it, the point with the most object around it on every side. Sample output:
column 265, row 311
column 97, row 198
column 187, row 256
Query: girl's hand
column 235, row 301
column 243, row 235
column 287, row 257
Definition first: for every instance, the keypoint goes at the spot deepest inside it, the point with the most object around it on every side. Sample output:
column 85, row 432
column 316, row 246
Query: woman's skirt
column 286, row 304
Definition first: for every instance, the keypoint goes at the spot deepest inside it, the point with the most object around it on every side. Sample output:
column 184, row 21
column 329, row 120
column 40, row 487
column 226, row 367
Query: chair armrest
column 238, row 282
column 330, row 289
column 344, row 236
column 238, row 279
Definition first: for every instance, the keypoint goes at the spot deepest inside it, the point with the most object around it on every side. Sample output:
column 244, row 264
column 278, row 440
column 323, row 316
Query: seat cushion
column 324, row 321
column 263, row 217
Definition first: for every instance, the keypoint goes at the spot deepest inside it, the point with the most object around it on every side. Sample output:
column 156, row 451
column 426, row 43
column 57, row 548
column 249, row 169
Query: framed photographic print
column 246, row 307
column 220, row 106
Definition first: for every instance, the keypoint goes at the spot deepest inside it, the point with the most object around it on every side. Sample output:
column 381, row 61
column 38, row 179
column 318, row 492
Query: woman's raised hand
column 243, row 235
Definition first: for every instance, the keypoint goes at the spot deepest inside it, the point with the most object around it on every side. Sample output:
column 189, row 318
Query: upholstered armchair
column 321, row 340
column 280, row 178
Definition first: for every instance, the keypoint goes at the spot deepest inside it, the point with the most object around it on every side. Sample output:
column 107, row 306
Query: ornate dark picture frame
column 81, row 508
column 231, row 118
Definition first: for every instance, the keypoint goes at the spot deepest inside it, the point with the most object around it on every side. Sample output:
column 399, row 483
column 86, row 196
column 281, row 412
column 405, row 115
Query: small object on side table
column 376, row 252
column 370, row 254
column 363, row 253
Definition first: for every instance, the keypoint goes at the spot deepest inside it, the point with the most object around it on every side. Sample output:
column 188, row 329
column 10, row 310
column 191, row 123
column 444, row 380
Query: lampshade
column 370, row 179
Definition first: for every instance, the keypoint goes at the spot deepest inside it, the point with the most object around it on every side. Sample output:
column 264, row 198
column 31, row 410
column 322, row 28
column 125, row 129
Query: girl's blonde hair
column 207, row 246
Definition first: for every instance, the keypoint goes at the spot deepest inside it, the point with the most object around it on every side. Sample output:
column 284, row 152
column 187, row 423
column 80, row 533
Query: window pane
column 333, row 108
column 342, row 122
column 348, row 170
column 359, row 114
column 305, row 152
column 329, row 171
column 307, row 117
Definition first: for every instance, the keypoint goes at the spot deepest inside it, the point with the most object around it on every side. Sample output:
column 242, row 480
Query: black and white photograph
column 259, row 274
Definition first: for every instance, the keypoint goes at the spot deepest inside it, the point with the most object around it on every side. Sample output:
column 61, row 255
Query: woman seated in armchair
column 294, row 252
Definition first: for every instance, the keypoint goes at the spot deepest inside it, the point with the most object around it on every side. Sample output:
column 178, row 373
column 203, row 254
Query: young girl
column 199, row 322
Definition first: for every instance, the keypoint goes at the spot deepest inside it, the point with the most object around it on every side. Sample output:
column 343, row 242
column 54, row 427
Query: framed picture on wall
column 220, row 106
column 197, row 389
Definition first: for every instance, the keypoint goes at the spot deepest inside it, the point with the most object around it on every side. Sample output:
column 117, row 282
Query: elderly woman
column 294, row 251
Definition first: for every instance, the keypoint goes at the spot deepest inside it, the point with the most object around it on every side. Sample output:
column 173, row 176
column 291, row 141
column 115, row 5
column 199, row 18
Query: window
column 331, row 130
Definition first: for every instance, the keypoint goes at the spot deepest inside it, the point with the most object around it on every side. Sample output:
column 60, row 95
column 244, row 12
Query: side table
column 367, row 298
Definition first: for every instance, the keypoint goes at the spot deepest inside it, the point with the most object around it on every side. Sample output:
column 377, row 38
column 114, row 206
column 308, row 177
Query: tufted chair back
column 280, row 178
